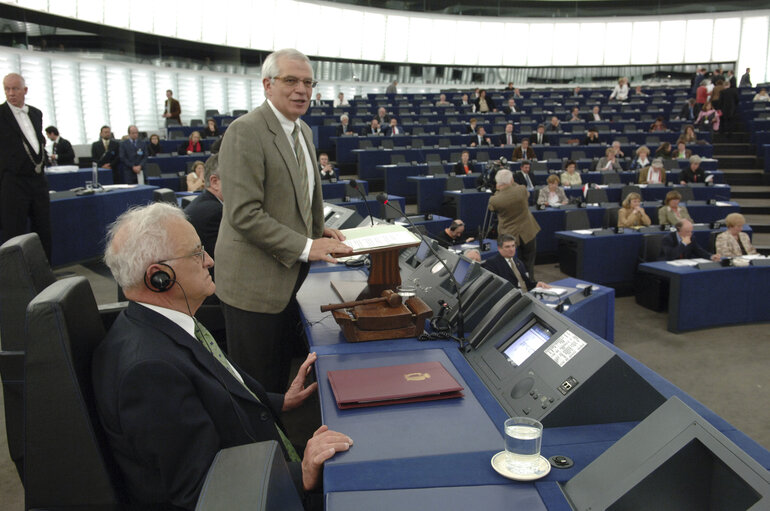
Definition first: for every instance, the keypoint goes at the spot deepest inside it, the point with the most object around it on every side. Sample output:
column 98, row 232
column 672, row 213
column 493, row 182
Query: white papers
column 687, row 262
column 723, row 203
column 583, row 231
column 364, row 239
column 58, row 169
column 552, row 291
column 118, row 187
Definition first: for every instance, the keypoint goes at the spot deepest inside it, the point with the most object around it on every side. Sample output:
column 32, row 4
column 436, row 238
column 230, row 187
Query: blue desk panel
column 373, row 204
column 176, row 163
column 171, row 182
column 337, row 190
column 699, row 298
column 60, row 181
column 79, row 224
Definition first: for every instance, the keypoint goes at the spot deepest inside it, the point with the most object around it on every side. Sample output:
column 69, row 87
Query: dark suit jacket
column 685, row 113
column 174, row 109
column 168, row 406
column 205, row 214
column 65, row 155
column 389, row 131
column 474, row 139
column 182, row 149
column 518, row 154
column 459, row 169
column 503, row 139
column 130, row 155
column 13, row 156
column 111, row 155
column 688, row 176
column 499, row 266
column 729, row 100
column 671, row 249
column 519, row 178
column 368, row 131
column 490, row 103
column 349, row 130
column 533, row 139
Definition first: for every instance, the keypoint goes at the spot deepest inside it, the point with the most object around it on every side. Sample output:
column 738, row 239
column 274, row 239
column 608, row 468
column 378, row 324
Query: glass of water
column 523, row 436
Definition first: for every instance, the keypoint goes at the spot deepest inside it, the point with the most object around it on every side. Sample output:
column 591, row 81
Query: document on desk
column 723, row 203
column 687, row 262
column 551, row 291
column 406, row 383
column 366, row 239
column 583, row 231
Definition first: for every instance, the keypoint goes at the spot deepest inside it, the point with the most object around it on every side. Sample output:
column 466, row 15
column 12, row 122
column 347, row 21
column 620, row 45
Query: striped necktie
column 205, row 338
column 304, row 204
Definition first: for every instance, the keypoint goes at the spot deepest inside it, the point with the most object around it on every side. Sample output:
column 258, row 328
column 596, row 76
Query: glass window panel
column 443, row 42
column 698, row 41
column 215, row 94
column 591, row 44
column 396, row 41
column 262, row 39
column 140, row 16
column 36, row 73
column 38, row 5
column 617, row 44
column 93, row 97
column 644, row 43
column 214, row 26
column 118, row 14
column 238, row 94
column 190, row 96
column 373, row 45
column 91, row 10
column 330, row 18
column 168, row 14
column 541, row 34
column 420, row 35
column 565, row 44
column 492, row 55
column 754, row 48
column 353, row 21
column 240, row 23
column 66, row 100
column 119, row 99
column 309, row 32
column 728, row 35
column 517, row 44
column 147, row 113
column 189, row 21
column 468, row 47
column 672, row 41
column 67, row 8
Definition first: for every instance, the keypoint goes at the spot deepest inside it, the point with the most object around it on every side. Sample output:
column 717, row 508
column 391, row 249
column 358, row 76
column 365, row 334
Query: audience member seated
column 465, row 102
column 154, row 148
column 672, row 212
column 575, row 115
column 317, row 101
column 442, row 101
column 539, row 137
column 523, row 151
column 688, row 135
column 205, row 212
column 508, row 138
column 682, row 245
column 61, row 152
column 192, row 146
column 576, row 93
column 653, row 173
column 595, row 114
column 382, row 116
column 689, row 111
column 620, row 92
column 681, row 152
column 473, row 254
column 571, row 177
column 632, row 214
column 693, row 173
column 517, row 94
column 211, row 129
column 734, row 242
column 167, row 397
column 372, row 129
column 592, row 137
column 505, row 264
column 452, row 235
column 195, row 182
column 663, row 150
column 658, row 125
column 340, row 101
column 325, row 167
column 554, row 126
column 708, row 117
column 471, row 128
column 618, row 150
column 484, row 104
column 509, row 87
column 465, row 165
column 608, row 162
column 510, row 107
column 639, row 93
column 642, row 158
column 480, row 138
column 106, row 152
column 394, row 129
column 523, row 176
column 344, row 127
column 552, row 195
column 762, row 95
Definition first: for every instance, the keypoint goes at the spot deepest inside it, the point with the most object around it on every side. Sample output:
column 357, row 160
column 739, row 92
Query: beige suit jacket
column 512, row 207
column 262, row 233
column 727, row 246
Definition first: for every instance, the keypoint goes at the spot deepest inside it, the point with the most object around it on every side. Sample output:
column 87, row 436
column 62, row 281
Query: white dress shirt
column 22, row 117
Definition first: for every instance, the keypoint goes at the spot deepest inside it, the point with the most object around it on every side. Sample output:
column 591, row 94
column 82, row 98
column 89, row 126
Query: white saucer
column 501, row 467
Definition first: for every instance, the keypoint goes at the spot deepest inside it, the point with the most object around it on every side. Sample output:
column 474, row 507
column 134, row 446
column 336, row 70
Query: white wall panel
column 754, row 48
column 565, row 44
column 420, row 35
column 470, row 42
column 591, row 44
column 492, row 54
column 66, row 99
column 644, row 42
column 373, row 44
column 93, row 98
column 444, row 41
column 673, row 35
column 396, row 40
column 697, row 46
column 727, row 40
column 540, row 44
column 617, row 44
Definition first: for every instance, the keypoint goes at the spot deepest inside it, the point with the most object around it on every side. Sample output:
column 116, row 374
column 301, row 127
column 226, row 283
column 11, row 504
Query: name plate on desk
column 602, row 232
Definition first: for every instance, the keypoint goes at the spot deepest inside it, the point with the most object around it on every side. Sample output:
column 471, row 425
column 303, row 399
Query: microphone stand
column 460, row 338
column 354, row 184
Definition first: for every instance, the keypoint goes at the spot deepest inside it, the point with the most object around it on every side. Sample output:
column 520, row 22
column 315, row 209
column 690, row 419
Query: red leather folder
column 407, row 383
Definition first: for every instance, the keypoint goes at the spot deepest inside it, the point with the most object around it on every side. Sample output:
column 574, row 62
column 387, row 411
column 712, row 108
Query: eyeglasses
column 292, row 81
column 200, row 254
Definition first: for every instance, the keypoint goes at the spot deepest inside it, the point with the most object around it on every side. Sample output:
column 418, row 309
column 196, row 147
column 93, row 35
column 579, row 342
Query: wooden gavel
column 390, row 297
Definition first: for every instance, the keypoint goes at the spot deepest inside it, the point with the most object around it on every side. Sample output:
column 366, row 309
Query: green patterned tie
column 304, row 204
column 205, row 337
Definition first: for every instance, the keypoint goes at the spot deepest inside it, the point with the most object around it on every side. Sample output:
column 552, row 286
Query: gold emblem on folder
column 416, row 376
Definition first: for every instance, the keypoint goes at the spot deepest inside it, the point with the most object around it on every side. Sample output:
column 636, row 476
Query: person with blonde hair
column 620, row 92
column 632, row 214
column 734, row 242
column 609, row 161
column 672, row 212
column 642, row 158
column 195, row 182
column 552, row 195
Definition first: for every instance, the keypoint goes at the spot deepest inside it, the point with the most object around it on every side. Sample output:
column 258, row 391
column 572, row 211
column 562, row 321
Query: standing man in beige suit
column 511, row 203
column 272, row 224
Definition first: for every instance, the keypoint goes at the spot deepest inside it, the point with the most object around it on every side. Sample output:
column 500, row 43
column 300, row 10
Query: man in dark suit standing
column 682, row 245
column 205, row 212
column 133, row 156
column 505, row 264
column 62, row 152
column 166, row 395
column 106, row 153
column 272, row 221
column 23, row 186
column 173, row 109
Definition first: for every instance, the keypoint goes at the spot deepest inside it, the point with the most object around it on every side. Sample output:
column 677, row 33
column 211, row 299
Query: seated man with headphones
column 452, row 235
column 167, row 397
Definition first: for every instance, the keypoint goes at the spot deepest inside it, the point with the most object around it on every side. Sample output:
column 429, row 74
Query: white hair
column 504, row 177
column 137, row 239
column 344, row 116
column 270, row 67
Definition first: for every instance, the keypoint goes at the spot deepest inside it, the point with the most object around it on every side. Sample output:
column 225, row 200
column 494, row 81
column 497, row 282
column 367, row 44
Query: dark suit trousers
column 527, row 253
column 262, row 344
column 24, row 199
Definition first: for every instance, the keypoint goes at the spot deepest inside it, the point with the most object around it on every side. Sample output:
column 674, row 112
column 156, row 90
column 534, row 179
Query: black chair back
column 610, row 217
column 685, row 192
column 651, row 244
column 151, row 170
column 629, row 189
column 164, row 195
column 24, row 272
column 67, row 460
column 596, row 196
column 610, row 178
column 576, row 219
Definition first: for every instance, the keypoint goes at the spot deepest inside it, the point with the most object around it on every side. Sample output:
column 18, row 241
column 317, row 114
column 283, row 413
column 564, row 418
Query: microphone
column 383, row 199
column 354, row 184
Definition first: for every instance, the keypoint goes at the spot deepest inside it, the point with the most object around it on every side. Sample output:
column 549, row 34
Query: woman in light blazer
column 552, row 195
column 734, row 242
column 672, row 212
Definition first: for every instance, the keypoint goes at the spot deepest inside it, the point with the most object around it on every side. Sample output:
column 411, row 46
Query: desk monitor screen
column 527, row 341
column 462, row 270
column 422, row 252
column 328, row 213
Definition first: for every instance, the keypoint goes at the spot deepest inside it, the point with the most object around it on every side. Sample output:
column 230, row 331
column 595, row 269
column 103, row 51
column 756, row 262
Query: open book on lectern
column 378, row 237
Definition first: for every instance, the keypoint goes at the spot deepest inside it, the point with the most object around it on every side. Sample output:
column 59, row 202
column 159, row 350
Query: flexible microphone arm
column 354, row 184
column 383, row 199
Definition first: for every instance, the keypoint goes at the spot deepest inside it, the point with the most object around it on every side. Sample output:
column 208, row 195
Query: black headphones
column 455, row 225
column 160, row 281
